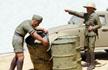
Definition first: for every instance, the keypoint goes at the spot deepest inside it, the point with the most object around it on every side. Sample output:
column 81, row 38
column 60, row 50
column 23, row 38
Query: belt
column 18, row 34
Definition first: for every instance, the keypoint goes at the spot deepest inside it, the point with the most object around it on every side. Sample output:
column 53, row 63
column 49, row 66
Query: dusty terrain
column 5, row 59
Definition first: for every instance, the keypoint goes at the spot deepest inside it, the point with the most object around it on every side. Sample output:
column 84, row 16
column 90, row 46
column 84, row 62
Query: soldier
column 92, row 24
column 28, row 26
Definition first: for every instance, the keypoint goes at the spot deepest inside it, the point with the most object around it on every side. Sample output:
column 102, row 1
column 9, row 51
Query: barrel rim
column 67, row 39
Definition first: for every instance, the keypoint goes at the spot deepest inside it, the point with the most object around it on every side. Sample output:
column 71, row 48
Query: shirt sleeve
column 78, row 14
column 29, row 28
column 97, row 20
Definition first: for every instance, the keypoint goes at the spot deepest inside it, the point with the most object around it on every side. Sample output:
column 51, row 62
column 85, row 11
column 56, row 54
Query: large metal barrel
column 40, row 57
column 39, row 54
column 66, row 54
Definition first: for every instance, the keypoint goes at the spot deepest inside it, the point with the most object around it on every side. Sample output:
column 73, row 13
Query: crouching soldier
column 27, row 26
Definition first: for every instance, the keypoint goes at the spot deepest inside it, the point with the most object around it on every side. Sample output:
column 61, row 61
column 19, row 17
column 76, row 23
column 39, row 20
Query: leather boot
column 92, row 65
column 87, row 64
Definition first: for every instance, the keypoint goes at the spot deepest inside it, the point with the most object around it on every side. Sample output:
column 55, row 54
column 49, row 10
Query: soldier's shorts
column 18, row 43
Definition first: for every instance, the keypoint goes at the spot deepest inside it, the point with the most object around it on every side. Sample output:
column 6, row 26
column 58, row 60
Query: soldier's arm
column 78, row 14
column 34, row 34
column 39, row 28
column 97, row 20
column 43, row 29
column 38, row 37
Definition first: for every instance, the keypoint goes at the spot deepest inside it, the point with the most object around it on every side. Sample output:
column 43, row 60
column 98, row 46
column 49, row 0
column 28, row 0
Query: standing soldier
column 92, row 24
column 28, row 26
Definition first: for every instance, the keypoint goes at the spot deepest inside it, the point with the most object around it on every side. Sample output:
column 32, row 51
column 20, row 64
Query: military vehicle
column 76, row 27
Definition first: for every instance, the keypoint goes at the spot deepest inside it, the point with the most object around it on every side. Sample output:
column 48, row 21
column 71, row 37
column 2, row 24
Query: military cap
column 37, row 17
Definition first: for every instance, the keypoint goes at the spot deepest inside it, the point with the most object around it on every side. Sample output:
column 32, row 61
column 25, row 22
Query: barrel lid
column 64, row 40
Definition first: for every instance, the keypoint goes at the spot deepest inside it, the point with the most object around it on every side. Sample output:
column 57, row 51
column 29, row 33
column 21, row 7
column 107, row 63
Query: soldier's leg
column 13, row 63
column 86, row 43
column 20, row 59
column 87, row 58
column 18, row 49
column 17, row 61
column 91, row 51
column 87, row 54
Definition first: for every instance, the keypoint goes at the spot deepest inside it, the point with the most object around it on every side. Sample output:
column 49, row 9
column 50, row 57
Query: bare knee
column 20, row 56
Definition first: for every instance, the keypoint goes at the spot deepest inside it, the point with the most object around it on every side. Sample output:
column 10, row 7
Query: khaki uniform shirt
column 92, row 19
column 25, row 27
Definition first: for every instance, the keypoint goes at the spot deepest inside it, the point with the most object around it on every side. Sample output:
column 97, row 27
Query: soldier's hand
column 66, row 10
column 90, row 28
column 45, row 42
column 45, row 30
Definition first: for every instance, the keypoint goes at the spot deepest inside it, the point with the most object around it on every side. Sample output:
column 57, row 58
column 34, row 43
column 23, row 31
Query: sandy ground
column 5, row 60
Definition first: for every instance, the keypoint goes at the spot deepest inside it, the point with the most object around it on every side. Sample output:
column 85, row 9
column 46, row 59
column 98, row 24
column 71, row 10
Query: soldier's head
column 36, row 20
column 90, row 7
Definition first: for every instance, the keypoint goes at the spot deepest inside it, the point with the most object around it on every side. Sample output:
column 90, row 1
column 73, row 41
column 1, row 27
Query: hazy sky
column 13, row 12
